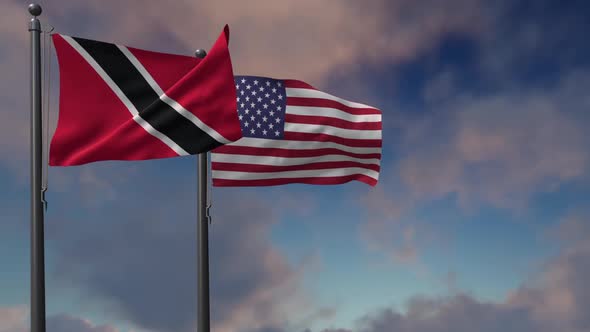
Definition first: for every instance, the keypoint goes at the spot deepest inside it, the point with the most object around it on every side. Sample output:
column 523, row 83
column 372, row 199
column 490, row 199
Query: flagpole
column 203, row 324
column 37, row 236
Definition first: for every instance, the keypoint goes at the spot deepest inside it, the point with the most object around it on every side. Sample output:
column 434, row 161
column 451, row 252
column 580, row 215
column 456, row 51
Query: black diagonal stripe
column 151, row 108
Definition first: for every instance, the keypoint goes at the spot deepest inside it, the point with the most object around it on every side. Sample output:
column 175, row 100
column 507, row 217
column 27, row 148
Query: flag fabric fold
column 123, row 103
column 294, row 133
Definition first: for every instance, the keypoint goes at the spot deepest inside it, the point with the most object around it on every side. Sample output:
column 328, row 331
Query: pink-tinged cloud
column 499, row 149
column 16, row 319
column 305, row 39
column 496, row 150
column 13, row 319
column 136, row 259
column 386, row 228
column 557, row 298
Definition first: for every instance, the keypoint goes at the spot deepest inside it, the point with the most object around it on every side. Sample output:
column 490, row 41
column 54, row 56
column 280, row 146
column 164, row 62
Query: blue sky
column 478, row 220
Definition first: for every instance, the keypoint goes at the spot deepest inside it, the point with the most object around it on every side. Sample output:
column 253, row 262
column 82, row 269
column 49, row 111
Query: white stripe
column 285, row 161
column 309, row 93
column 171, row 102
column 332, row 113
column 144, row 124
column 333, row 131
column 314, row 173
column 299, row 145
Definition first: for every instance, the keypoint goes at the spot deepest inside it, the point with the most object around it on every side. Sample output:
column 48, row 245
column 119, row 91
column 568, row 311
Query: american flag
column 294, row 133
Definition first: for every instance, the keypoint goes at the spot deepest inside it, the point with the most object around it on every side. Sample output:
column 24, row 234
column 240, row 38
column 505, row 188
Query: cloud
column 386, row 227
column 560, row 292
column 67, row 323
column 137, row 258
column 302, row 39
column 459, row 313
column 497, row 149
column 555, row 299
column 16, row 319
column 13, row 319
column 492, row 139
column 501, row 148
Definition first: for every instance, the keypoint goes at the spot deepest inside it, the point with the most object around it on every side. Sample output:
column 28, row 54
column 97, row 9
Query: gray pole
column 37, row 242
column 203, row 238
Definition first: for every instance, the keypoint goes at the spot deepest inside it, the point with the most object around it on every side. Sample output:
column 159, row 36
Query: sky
column 479, row 221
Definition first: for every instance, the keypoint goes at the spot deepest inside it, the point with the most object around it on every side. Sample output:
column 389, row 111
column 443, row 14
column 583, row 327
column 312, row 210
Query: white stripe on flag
column 309, row 93
column 334, row 172
column 171, row 102
column 286, row 161
column 144, row 124
column 332, row 113
column 299, row 145
column 333, row 131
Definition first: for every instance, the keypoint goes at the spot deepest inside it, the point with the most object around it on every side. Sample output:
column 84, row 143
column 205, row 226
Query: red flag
column 123, row 103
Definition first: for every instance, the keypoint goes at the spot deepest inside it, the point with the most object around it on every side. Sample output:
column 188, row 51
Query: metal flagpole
column 203, row 237
column 37, row 241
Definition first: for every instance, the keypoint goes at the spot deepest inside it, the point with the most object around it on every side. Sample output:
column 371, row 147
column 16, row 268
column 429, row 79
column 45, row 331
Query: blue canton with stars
column 261, row 106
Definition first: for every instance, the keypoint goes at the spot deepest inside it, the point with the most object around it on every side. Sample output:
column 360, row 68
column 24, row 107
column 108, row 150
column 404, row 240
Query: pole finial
column 35, row 9
column 200, row 53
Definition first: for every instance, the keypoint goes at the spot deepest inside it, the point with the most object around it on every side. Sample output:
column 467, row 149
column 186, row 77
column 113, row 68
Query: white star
column 265, row 106
column 261, row 89
column 252, row 118
column 252, row 131
column 242, row 92
column 259, row 99
column 267, row 83
column 258, row 125
column 248, row 87
column 254, row 93
column 258, row 112
column 253, row 105
column 247, row 111
column 271, row 126
column 247, row 98
column 272, row 101
column 278, row 120
column 237, row 87
column 264, row 132
column 241, row 116
column 264, row 118
column 272, row 113
column 280, row 97
column 243, row 80
column 267, row 95
column 276, row 133
column 279, row 108
column 238, row 99
column 255, row 82
column 246, row 124
column 279, row 84
column 274, row 90
column 242, row 105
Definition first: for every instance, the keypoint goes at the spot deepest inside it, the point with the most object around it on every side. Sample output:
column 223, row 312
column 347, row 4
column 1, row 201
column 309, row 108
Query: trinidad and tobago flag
column 123, row 103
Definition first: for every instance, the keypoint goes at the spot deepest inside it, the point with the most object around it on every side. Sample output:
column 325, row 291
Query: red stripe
column 234, row 167
column 317, row 102
column 365, row 143
column 278, row 152
column 297, row 84
column 334, row 122
column 275, row 182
